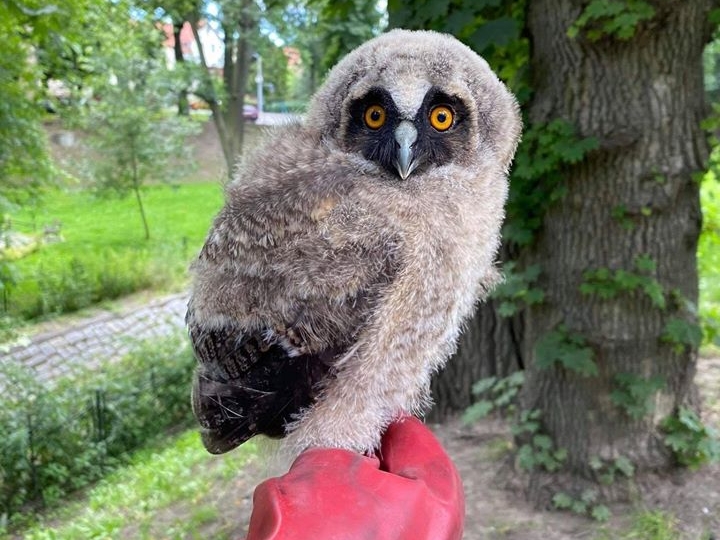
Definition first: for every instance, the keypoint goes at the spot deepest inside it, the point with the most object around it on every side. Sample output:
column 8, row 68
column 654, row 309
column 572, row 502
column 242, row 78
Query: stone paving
column 89, row 342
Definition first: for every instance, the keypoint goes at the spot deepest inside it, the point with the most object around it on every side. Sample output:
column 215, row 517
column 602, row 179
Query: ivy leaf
column 499, row 32
column 477, row 411
column 682, row 333
column 655, row 292
column 534, row 296
column 543, row 442
column 645, row 263
column 625, row 466
column 600, row 512
column 561, row 500
column 483, row 385
column 507, row 309
column 568, row 350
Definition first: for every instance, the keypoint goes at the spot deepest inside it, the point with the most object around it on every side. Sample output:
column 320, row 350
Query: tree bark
column 183, row 104
column 643, row 99
column 212, row 100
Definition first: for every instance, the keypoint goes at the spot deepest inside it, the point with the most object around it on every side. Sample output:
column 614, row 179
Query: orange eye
column 441, row 118
column 374, row 117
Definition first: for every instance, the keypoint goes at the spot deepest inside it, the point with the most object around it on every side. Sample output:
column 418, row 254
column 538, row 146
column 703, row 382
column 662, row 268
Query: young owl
column 351, row 248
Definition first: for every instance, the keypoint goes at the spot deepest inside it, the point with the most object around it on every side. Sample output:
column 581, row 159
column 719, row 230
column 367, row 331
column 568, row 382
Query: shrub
column 60, row 437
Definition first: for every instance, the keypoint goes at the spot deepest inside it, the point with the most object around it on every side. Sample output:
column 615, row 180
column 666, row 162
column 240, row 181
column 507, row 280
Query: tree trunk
column 212, row 100
column 138, row 199
column 643, row 100
column 183, row 104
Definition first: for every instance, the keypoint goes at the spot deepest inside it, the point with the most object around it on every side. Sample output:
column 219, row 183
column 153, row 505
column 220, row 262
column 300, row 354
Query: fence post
column 100, row 431
column 36, row 489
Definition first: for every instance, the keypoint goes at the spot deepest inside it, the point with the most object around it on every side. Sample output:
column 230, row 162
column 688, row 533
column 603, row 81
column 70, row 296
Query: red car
column 250, row 113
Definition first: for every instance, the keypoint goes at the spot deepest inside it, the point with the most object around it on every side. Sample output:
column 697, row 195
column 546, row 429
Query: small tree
column 132, row 128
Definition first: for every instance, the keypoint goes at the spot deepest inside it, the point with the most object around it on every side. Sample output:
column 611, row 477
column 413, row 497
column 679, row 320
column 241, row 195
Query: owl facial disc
column 405, row 135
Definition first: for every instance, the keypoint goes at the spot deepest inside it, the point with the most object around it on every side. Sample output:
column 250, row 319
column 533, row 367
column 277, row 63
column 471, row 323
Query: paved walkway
column 88, row 342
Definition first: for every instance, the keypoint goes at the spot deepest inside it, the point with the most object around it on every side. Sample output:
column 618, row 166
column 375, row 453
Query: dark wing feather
column 245, row 386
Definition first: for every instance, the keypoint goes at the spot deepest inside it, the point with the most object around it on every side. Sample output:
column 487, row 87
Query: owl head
column 412, row 100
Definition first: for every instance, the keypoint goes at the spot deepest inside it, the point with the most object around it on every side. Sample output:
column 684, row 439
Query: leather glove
column 410, row 491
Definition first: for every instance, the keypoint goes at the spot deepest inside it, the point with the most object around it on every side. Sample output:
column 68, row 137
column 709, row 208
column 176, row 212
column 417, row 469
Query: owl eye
column 441, row 118
column 374, row 117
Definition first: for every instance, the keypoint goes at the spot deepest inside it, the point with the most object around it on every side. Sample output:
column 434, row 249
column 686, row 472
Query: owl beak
column 405, row 136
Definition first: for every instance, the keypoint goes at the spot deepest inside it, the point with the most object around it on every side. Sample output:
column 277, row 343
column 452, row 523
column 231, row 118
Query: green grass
column 135, row 502
column 709, row 258
column 104, row 253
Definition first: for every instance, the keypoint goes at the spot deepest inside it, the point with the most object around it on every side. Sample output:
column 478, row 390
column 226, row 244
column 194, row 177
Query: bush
column 96, row 277
column 59, row 438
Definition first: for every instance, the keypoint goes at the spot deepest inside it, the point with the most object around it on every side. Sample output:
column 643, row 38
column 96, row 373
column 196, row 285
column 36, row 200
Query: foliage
column 709, row 246
column 517, row 290
column 692, row 442
column 344, row 25
column 539, row 450
column 59, row 438
column 681, row 333
column 634, row 393
column 101, row 256
column 607, row 470
column 175, row 471
column 585, row 504
column 614, row 18
column 537, row 176
column 567, row 349
column 607, row 283
column 24, row 163
column 654, row 524
column 496, row 394
column 128, row 124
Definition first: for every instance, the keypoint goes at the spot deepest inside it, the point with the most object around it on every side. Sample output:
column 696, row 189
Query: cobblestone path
column 89, row 342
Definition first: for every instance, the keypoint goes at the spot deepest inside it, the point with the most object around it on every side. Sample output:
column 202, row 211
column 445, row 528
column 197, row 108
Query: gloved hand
column 411, row 492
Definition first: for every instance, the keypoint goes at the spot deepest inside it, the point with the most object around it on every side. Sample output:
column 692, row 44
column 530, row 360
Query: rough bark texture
column 643, row 100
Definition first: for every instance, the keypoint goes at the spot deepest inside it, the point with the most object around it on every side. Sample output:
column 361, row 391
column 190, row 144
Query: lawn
column 166, row 491
column 709, row 259
column 103, row 252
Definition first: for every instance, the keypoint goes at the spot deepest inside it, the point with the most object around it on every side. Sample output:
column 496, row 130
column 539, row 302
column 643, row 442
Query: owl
column 351, row 248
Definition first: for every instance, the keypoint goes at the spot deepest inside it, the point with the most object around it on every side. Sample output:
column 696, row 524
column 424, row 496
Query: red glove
column 413, row 492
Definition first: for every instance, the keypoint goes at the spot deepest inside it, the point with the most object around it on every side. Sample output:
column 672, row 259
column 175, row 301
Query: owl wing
column 245, row 385
column 256, row 373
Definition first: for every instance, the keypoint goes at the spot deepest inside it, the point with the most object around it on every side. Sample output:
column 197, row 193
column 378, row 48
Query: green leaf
column 526, row 457
column 567, row 350
column 507, row 309
column 625, row 466
column 483, row 385
column 595, row 463
column 645, row 263
column 561, row 500
column 600, row 512
column 499, row 32
column 542, row 442
column 477, row 411
column 589, row 495
column 534, row 296
column 682, row 333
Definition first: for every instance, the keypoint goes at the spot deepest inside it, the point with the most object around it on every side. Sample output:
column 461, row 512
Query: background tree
column 128, row 124
column 25, row 167
column 603, row 221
